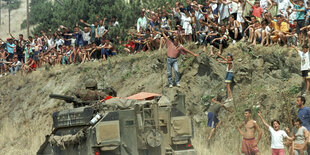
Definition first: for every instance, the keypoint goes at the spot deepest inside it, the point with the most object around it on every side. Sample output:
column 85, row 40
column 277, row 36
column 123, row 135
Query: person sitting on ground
column 221, row 42
column 108, row 49
column 16, row 65
column 281, row 28
column 304, row 65
column 29, row 66
column 229, row 73
column 212, row 113
column 266, row 31
column 277, row 136
column 235, row 29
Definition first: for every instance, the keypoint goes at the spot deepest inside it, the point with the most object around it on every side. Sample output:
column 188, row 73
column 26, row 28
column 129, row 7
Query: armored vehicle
column 142, row 124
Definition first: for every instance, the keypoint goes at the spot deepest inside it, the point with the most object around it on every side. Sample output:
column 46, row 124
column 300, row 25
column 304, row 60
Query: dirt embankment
column 266, row 78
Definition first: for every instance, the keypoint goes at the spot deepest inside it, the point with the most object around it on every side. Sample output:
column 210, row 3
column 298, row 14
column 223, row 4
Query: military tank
column 142, row 124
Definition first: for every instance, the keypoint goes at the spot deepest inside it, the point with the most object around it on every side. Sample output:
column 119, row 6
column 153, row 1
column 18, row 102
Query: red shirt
column 131, row 45
column 173, row 51
column 257, row 11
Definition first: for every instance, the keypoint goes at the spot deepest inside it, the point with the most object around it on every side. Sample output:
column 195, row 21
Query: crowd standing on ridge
column 213, row 24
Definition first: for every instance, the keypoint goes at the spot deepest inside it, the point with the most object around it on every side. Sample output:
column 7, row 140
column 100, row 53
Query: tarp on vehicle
column 143, row 96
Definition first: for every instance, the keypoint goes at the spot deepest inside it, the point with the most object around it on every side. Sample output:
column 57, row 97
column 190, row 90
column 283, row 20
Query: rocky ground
column 266, row 79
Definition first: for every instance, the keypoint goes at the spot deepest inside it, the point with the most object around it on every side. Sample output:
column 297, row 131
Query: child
column 213, row 113
column 229, row 73
column 304, row 65
column 277, row 136
column 257, row 10
column 266, row 33
column 292, row 38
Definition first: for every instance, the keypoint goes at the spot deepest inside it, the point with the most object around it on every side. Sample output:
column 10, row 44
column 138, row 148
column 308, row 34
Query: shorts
column 229, row 77
column 300, row 24
column 232, row 35
column 248, row 146
column 217, row 43
column 305, row 74
column 212, row 120
column 278, row 152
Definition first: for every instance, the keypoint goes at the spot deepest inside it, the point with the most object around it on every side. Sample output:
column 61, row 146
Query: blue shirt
column 10, row 47
column 79, row 38
column 304, row 116
column 300, row 15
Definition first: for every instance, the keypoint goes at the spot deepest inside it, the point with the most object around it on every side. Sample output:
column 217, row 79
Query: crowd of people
column 65, row 46
column 212, row 23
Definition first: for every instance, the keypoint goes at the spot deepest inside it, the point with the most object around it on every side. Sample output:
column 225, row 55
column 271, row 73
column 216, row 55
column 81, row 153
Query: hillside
column 267, row 78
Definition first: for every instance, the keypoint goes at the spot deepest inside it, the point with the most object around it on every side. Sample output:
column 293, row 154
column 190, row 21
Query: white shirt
column 86, row 36
column 101, row 30
column 267, row 29
column 304, row 57
column 264, row 4
column 233, row 6
column 277, row 138
column 50, row 43
column 283, row 5
column 186, row 22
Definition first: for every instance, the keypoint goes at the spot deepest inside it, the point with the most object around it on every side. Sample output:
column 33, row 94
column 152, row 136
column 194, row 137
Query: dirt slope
column 266, row 79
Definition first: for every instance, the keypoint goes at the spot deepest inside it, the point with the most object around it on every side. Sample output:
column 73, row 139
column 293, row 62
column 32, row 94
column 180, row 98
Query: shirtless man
column 3, row 56
column 249, row 145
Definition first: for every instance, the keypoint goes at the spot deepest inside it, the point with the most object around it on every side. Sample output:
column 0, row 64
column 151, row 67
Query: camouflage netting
column 63, row 141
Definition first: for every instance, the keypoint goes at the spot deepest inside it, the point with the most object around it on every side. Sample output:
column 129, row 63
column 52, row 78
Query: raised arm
column 249, row 3
column 264, row 122
column 190, row 52
column 295, row 48
column 292, row 2
column 12, row 36
column 82, row 21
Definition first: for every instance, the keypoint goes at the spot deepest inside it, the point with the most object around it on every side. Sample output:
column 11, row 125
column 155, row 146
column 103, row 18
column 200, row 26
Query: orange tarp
column 142, row 96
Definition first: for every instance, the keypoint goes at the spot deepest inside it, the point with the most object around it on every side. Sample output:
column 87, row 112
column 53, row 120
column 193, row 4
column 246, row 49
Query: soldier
column 91, row 92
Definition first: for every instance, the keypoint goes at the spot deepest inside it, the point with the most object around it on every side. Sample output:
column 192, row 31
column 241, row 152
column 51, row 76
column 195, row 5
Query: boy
column 257, row 10
column 304, row 65
column 277, row 136
column 213, row 113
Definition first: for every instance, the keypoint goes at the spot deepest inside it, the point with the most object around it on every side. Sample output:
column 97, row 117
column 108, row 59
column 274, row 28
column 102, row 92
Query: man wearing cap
column 173, row 52
column 10, row 46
